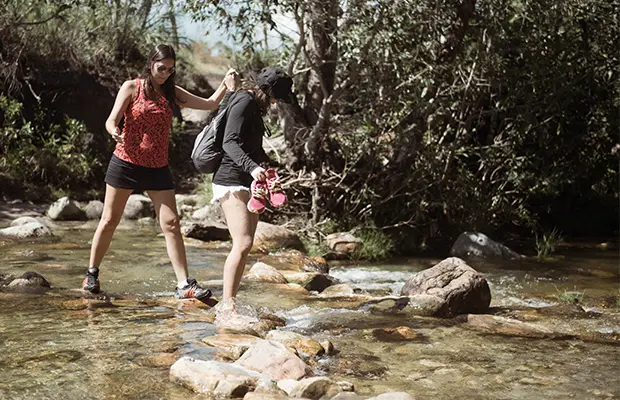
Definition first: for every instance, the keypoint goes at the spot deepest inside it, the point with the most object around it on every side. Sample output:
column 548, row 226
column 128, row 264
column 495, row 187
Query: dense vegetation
column 416, row 118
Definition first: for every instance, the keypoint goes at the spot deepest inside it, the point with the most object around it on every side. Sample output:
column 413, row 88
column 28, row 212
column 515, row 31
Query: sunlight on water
column 58, row 345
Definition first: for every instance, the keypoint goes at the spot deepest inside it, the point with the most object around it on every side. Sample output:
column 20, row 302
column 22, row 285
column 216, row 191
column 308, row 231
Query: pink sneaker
column 256, row 204
column 277, row 197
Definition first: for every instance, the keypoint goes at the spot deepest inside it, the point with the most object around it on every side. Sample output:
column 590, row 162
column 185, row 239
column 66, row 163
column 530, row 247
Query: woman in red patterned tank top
column 140, row 161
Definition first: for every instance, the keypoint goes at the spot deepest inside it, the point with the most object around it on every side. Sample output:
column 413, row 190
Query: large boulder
column 215, row 379
column 476, row 244
column 303, row 345
column 210, row 212
column 94, row 209
column 138, row 206
column 319, row 387
column 29, row 230
column 262, row 272
column 205, row 231
column 23, row 221
column 455, row 288
column 274, row 360
column 231, row 345
column 270, row 236
column 65, row 209
column 344, row 243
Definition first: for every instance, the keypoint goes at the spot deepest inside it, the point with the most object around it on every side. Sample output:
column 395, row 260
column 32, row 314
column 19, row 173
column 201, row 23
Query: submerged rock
column 504, row 326
column 451, row 287
column 310, row 281
column 400, row 334
column 393, row 396
column 294, row 260
column 30, row 281
column 476, row 244
column 5, row 279
column 340, row 290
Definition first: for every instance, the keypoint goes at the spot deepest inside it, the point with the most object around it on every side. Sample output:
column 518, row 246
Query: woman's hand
column 259, row 174
column 231, row 80
column 116, row 135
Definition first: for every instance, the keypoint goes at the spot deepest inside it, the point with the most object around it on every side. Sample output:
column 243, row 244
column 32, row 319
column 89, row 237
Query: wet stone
column 400, row 334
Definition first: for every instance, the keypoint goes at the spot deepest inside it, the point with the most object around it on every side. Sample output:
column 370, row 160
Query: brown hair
column 262, row 98
column 161, row 52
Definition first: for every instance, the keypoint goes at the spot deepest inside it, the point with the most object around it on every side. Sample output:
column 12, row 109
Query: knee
column 243, row 245
column 110, row 221
column 170, row 225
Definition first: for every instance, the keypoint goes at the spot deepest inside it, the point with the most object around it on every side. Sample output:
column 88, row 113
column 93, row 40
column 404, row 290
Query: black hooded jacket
column 243, row 141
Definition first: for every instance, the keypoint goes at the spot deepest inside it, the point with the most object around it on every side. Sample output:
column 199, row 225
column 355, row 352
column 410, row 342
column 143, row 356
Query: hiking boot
column 91, row 282
column 192, row 291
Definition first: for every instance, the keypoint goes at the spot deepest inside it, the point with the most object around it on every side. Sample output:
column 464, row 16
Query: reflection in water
column 59, row 346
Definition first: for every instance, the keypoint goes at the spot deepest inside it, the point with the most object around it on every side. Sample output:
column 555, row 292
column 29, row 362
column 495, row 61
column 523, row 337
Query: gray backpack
column 208, row 153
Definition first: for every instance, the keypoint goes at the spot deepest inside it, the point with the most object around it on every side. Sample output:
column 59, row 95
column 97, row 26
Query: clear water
column 58, row 345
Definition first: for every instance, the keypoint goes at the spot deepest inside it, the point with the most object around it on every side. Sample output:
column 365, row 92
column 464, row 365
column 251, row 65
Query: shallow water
column 56, row 346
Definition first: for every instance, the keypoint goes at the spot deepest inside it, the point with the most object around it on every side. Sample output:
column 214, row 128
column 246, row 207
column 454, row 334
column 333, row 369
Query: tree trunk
column 173, row 25
column 323, row 55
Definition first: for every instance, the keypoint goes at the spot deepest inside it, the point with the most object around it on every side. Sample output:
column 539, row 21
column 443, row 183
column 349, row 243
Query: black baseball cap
column 275, row 82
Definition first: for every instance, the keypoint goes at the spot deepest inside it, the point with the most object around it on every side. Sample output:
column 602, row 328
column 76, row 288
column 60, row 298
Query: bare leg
column 242, row 226
column 113, row 207
column 166, row 209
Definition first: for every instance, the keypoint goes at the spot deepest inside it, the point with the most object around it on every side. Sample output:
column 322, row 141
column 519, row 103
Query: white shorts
column 219, row 191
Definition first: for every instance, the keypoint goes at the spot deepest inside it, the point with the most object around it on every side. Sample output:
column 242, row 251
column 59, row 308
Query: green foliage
column 377, row 244
column 37, row 153
column 453, row 117
column 573, row 296
column 314, row 248
column 97, row 33
column 547, row 242
column 204, row 190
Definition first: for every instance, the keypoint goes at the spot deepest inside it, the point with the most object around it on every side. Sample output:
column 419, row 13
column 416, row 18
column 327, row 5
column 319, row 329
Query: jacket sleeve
column 239, row 112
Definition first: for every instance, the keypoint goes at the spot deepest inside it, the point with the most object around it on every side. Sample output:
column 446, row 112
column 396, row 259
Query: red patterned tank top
column 146, row 131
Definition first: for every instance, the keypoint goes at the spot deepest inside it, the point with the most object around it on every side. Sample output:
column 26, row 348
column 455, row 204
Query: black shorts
column 125, row 175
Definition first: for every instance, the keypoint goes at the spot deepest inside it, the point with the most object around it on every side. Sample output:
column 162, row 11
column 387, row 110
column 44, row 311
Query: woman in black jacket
column 243, row 147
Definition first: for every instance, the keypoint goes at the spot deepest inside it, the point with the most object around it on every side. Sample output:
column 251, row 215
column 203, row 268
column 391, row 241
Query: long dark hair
column 262, row 98
column 160, row 52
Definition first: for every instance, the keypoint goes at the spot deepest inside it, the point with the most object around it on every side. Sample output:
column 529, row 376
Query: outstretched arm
column 188, row 100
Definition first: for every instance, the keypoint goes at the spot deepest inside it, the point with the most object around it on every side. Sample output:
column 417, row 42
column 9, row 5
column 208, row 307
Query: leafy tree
column 449, row 115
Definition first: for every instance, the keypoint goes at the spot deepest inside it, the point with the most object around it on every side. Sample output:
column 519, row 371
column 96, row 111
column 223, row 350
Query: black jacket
column 243, row 141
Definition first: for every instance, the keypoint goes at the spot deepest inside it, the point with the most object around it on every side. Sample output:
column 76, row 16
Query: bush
column 43, row 156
